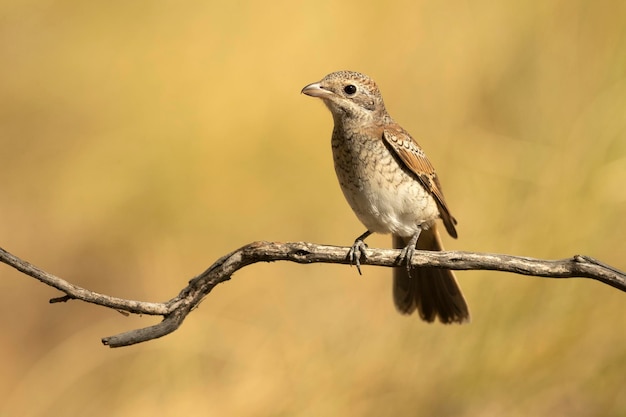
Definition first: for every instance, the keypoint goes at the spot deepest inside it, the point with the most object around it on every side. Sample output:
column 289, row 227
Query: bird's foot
column 406, row 254
column 357, row 251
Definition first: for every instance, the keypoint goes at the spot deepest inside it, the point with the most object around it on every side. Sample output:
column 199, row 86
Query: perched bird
column 392, row 188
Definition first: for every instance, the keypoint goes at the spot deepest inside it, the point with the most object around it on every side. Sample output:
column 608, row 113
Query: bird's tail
column 432, row 292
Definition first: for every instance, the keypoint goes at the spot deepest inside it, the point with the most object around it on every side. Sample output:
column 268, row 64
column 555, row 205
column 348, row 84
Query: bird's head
column 349, row 94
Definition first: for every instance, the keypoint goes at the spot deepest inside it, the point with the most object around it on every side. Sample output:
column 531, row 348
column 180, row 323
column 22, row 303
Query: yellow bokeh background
column 140, row 141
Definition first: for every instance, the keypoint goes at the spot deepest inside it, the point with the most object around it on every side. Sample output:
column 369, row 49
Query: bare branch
column 176, row 310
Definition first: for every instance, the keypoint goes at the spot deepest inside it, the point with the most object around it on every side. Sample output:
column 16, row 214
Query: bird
column 392, row 188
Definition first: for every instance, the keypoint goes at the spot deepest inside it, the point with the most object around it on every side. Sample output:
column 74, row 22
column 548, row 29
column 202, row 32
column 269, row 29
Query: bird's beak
column 315, row 90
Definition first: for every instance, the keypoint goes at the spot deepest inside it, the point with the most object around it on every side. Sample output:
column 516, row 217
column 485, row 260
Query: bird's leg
column 407, row 252
column 358, row 250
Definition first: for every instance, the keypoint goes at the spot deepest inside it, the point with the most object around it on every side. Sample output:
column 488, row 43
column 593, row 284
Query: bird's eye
column 349, row 89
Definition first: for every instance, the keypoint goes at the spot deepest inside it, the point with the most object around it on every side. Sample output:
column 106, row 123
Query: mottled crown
column 352, row 76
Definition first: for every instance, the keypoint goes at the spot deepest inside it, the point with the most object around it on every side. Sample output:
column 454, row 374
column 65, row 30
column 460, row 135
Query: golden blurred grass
column 140, row 141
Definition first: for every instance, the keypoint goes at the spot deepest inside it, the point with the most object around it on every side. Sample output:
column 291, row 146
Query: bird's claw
column 406, row 254
column 356, row 252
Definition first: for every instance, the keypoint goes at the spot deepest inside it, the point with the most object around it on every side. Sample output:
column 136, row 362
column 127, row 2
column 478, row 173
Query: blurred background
column 140, row 141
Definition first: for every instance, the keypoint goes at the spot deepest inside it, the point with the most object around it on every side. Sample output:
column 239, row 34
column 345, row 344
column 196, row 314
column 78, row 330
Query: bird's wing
column 414, row 158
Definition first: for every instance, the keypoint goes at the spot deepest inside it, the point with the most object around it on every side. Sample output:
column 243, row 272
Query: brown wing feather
column 414, row 158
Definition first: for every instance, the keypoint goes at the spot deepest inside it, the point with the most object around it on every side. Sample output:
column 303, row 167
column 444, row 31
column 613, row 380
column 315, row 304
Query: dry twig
column 176, row 310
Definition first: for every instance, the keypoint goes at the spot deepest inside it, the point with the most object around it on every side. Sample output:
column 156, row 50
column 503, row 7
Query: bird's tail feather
column 433, row 292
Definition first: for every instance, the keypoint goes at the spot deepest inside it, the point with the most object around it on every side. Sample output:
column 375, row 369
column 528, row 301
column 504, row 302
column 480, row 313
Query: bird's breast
column 383, row 194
